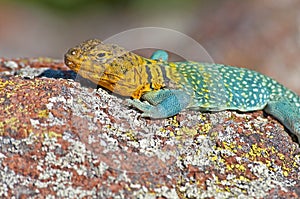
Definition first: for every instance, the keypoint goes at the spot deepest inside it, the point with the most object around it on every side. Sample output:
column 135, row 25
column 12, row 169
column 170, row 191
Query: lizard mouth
column 73, row 59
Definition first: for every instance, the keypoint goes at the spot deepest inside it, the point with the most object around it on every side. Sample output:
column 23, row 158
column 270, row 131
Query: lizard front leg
column 160, row 55
column 286, row 112
column 162, row 103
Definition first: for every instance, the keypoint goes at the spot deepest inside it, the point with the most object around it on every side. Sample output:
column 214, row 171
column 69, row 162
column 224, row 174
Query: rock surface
column 64, row 139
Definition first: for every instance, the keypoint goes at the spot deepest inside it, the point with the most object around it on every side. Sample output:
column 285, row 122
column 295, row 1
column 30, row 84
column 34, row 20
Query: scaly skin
column 169, row 87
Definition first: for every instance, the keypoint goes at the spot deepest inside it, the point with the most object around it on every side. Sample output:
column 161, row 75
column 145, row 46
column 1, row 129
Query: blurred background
column 263, row 35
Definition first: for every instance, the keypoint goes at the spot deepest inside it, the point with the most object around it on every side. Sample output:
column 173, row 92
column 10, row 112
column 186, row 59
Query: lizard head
column 103, row 64
column 95, row 56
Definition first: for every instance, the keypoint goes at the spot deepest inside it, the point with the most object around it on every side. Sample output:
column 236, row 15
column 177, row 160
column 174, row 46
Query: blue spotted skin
column 217, row 87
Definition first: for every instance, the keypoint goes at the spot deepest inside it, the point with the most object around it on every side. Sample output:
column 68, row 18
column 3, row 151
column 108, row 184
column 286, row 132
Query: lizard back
column 219, row 87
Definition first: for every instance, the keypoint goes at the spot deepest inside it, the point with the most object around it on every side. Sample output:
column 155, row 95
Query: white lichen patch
column 30, row 73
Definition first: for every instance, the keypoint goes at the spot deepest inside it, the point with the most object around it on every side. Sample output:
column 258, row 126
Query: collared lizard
column 166, row 88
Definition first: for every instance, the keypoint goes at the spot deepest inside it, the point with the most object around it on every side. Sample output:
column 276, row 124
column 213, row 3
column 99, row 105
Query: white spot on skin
column 255, row 96
column 255, row 90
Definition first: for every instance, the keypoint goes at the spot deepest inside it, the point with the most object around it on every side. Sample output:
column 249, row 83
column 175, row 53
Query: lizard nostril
column 69, row 63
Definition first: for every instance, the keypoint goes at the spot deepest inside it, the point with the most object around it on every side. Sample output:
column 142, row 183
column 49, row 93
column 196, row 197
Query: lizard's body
column 170, row 87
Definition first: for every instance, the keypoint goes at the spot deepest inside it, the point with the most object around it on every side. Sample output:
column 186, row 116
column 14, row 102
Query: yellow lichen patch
column 45, row 134
column 130, row 135
column 1, row 129
column 240, row 167
column 244, row 179
column 213, row 135
column 229, row 167
column 281, row 156
column 52, row 134
column 202, row 117
column 285, row 170
column 296, row 161
column 173, row 121
column 171, row 134
column 214, row 158
column 256, row 151
column 11, row 122
column 3, row 84
column 202, row 127
column 230, row 146
column 268, row 163
column 285, row 173
column 189, row 132
column 205, row 126
column 43, row 113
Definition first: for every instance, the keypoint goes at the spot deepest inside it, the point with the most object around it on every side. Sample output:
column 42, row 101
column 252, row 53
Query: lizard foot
column 161, row 103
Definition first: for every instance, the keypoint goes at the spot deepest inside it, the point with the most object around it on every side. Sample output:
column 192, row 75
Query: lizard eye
column 101, row 55
column 74, row 51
